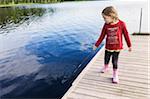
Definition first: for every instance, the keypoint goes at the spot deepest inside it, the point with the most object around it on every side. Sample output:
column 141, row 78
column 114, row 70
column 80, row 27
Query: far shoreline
column 24, row 4
column 21, row 4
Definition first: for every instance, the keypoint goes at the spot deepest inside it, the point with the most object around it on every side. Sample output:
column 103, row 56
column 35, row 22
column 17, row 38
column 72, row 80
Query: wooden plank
column 100, row 94
column 113, row 91
column 135, row 84
column 139, row 73
column 133, row 76
column 126, row 67
column 110, row 85
column 76, row 95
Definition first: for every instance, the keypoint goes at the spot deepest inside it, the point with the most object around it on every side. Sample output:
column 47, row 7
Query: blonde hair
column 111, row 11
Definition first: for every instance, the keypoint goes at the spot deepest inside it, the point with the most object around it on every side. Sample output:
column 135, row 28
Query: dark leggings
column 114, row 55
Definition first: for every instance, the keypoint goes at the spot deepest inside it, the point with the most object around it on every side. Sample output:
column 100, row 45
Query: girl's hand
column 130, row 49
column 94, row 47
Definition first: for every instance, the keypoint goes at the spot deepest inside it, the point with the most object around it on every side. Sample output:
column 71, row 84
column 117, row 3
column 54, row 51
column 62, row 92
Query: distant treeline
column 32, row 1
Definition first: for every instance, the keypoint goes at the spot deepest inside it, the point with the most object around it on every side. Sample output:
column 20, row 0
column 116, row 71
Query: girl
column 113, row 29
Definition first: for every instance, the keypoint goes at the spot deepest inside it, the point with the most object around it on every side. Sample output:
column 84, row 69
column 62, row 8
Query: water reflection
column 11, row 17
column 42, row 48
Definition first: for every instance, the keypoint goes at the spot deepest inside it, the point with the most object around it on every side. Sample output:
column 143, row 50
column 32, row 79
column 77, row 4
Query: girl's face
column 107, row 19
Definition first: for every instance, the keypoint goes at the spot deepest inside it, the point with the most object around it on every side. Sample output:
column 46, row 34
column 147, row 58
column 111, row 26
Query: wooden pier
column 133, row 73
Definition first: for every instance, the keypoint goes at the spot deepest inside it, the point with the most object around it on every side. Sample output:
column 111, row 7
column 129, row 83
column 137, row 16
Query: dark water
column 42, row 47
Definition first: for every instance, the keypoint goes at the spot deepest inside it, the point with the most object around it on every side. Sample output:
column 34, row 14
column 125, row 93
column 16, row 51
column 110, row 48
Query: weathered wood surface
column 133, row 73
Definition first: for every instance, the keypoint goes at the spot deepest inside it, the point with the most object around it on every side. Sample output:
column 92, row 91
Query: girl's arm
column 126, row 35
column 100, row 39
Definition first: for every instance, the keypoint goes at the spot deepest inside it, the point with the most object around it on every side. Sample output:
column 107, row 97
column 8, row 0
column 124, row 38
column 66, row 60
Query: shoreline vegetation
column 6, row 3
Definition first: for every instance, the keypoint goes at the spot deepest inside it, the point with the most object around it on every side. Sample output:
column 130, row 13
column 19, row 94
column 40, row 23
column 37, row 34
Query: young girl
column 113, row 29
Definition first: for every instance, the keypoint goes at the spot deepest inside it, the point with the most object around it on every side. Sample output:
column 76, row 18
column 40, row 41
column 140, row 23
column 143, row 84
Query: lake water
column 43, row 47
